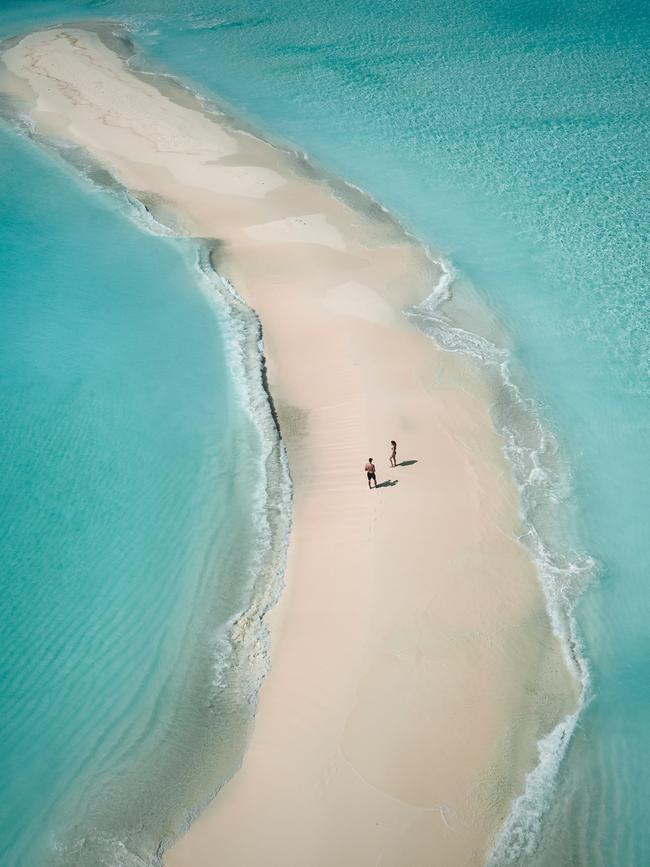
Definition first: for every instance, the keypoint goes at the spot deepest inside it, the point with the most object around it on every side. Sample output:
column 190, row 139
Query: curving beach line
column 414, row 668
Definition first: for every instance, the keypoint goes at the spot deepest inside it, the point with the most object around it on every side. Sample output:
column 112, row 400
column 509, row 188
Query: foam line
column 533, row 454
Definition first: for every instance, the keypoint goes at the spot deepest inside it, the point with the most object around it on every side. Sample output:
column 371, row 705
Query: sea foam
column 544, row 485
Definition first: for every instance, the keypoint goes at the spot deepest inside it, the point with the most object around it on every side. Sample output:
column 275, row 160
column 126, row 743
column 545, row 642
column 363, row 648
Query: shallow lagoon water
column 127, row 549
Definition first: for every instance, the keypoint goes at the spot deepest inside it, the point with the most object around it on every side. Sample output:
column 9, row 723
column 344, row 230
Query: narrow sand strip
column 413, row 668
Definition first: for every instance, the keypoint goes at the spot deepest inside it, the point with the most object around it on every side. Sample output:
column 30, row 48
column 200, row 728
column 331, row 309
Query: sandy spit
column 413, row 665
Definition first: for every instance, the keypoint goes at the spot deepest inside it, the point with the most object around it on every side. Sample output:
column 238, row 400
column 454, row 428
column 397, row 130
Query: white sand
column 413, row 667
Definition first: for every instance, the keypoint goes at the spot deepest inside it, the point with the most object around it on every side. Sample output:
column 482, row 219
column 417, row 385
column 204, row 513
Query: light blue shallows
column 130, row 527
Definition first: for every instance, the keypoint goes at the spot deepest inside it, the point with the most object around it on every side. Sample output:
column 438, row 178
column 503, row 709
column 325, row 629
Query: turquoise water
column 125, row 543
column 515, row 139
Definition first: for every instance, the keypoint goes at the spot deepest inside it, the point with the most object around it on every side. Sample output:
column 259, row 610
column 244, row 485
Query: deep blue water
column 515, row 139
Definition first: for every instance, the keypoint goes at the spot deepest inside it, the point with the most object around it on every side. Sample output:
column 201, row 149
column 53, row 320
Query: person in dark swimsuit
column 370, row 472
column 393, row 453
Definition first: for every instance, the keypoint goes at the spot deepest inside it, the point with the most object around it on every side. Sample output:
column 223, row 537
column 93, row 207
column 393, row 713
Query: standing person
column 370, row 472
column 393, row 453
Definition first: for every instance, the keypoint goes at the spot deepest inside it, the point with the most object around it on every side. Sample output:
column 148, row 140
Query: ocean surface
column 134, row 530
column 514, row 139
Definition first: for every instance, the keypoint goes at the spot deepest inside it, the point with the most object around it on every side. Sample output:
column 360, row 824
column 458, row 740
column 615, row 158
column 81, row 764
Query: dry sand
column 413, row 666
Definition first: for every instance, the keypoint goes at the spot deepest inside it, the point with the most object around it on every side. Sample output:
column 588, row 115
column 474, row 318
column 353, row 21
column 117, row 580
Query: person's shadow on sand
column 406, row 463
column 389, row 483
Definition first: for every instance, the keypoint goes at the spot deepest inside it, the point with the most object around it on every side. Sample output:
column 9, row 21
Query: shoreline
column 563, row 572
column 359, row 310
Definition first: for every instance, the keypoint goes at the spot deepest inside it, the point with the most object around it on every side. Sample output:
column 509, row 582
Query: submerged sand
column 413, row 664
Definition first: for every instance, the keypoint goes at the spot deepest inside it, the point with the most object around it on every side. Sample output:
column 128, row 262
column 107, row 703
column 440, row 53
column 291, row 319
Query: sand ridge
column 413, row 667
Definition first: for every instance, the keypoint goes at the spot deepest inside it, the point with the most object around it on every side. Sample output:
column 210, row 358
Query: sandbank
column 413, row 667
